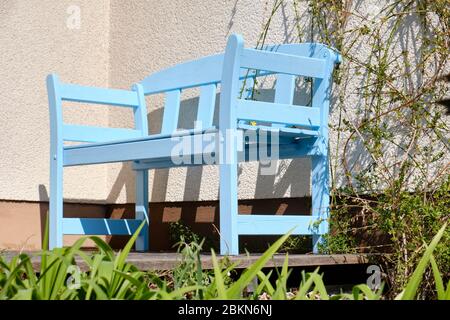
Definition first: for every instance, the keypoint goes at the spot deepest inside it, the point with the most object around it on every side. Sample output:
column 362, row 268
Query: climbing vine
column 389, row 140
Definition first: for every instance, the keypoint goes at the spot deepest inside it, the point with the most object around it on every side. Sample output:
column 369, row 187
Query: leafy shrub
column 389, row 152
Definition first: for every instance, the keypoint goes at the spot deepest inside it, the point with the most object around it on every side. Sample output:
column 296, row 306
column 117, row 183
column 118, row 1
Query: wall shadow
column 291, row 175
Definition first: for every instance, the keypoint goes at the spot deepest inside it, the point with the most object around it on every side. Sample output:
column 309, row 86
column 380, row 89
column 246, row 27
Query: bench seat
column 157, row 148
column 284, row 132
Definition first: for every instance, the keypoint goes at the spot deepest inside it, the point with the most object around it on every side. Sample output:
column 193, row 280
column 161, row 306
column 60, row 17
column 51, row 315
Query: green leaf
column 126, row 250
column 104, row 247
column 280, row 292
column 447, row 293
column 219, row 282
column 319, row 286
column 367, row 292
column 235, row 290
column 14, row 275
column 176, row 294
column 305, row 285
column 437, row 279
column 265, row 283
column 23, row 294
column 413, row 283
column 119, row 262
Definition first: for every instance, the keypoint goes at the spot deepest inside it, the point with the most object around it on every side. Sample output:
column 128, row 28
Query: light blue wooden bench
column 302, row 132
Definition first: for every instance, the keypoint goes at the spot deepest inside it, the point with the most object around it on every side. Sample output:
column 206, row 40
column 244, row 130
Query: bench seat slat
column 144, row 138
column 160, row 147
column 131, row 150
column 286, row 151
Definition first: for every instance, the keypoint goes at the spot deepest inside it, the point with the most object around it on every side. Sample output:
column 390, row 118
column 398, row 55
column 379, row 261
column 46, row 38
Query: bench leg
column 320, row 197
column 141, row 209
column 56, row 203
column 229, row 240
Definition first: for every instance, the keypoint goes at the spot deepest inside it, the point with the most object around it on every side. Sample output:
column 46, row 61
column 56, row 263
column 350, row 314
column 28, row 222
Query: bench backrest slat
column 284, row 89
column 206, row 103
column 315, row 61
column 284, row 92
column 185, row 75
column 171, row 111
column 282, row 63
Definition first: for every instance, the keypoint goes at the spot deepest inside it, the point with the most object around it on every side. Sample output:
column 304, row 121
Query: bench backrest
column 287, row 62
column 59, row 92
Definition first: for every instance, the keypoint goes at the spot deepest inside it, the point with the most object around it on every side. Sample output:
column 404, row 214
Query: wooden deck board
column 167, row 261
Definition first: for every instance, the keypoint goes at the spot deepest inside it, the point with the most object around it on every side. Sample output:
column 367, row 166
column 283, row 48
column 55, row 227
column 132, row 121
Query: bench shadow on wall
column 293, row 176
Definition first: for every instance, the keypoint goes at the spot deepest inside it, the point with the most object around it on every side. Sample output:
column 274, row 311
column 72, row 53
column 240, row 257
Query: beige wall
column 147, row 36
column 119, row 43
column 35, row 41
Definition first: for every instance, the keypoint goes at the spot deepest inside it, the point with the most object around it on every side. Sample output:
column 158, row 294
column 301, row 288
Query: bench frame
column 106, row 145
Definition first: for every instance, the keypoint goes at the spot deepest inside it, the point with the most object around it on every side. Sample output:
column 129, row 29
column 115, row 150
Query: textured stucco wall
column 35, row 41
column 119, row 43
column 147, row 36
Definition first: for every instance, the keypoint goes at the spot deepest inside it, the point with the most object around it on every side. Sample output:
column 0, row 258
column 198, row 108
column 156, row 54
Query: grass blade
column 437, row 279
column 234, row 292
column 219, row 282
column 413, row 284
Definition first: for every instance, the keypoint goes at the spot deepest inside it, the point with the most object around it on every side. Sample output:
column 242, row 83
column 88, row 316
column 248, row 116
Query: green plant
column 109, row 276
column 181, row 233
column 412, row 286
column 189, row 272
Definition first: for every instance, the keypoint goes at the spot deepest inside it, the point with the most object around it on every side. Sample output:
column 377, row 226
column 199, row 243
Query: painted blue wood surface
column 95, row 226
column 277, row 62
column 114, row 97
column 56, row 163
column 284, row 92
column 320, row 189
column 254, row 224
column 171, row 111
column 309, row 137
column 228, row 167
column 97, row 134
column 278, row 113
column 141, row 192
column 60, row 132
column 206, row 104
